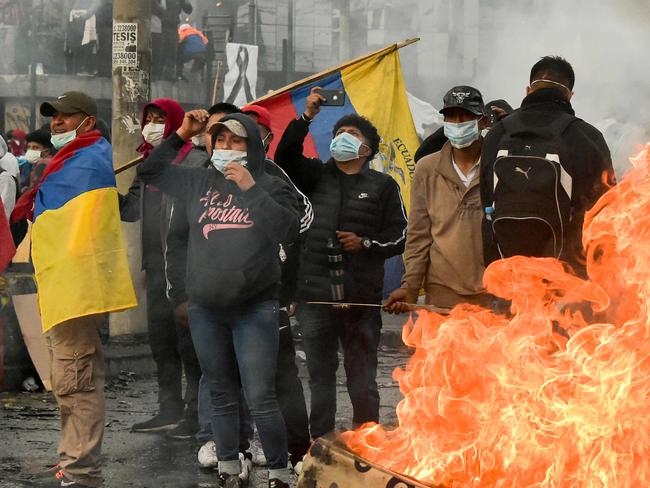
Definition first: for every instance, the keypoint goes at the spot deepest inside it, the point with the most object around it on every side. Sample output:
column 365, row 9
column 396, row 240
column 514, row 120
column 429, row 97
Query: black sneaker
column 186, row 429
column 230, row 481
column 160, row 422
column 276, row 483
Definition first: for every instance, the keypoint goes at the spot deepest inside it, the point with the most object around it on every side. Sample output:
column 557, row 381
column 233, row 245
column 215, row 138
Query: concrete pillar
column 131, row 90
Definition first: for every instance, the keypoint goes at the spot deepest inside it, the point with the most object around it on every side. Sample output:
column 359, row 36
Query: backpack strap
column 514, row 127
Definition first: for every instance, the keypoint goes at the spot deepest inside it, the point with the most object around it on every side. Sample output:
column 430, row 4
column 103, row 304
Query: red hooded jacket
column 173, row 121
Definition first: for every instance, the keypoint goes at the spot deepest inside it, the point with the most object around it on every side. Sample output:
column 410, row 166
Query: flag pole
column 128, row 165
column 215, row 87
column 323, row 74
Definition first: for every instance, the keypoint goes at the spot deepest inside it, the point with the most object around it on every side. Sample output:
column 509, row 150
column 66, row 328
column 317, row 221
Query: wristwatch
column 366, row 243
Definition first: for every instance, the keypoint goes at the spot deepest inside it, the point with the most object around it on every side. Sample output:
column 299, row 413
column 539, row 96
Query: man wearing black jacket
column 588, row 160
column 361, row 210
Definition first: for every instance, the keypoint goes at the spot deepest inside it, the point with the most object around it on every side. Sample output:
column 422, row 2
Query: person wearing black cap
column 498, row 109
column 443, row 252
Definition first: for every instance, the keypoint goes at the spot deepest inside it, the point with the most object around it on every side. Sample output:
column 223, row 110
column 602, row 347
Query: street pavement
column 29, row 430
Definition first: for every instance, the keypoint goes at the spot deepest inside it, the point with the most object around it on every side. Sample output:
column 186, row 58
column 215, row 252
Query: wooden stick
column 128, row 165
column 215, row 89
column 412, row 306
column 323, row 74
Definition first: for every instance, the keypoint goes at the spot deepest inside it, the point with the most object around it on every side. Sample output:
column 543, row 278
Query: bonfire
column 553, row 394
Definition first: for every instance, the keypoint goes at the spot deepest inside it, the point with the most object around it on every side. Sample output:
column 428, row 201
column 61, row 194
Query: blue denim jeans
column 241, row 343
column 205, row 418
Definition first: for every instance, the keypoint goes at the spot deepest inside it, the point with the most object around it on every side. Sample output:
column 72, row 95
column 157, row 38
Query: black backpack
column 18, row 229
column 531, row 189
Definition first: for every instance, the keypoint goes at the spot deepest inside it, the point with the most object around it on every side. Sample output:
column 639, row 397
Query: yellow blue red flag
column 374, row 88
column 78, row 250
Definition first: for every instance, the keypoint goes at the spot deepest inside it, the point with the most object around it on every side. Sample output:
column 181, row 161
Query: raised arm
column 303, row 171
column 158, row 169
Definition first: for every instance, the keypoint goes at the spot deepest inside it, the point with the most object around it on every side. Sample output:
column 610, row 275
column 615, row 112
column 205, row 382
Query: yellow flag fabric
column 78, row 250
column 376, row 89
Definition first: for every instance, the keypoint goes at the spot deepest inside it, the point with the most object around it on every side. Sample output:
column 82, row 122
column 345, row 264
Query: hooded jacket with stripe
column 588, row 162
column 234, row 236
column 368, row 204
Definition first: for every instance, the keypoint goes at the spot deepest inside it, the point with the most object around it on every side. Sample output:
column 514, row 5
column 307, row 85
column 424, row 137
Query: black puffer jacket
column 367, row 203
column 589, row 164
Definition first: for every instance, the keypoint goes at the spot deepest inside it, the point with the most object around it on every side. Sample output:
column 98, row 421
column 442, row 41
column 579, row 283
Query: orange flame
column 495, row 401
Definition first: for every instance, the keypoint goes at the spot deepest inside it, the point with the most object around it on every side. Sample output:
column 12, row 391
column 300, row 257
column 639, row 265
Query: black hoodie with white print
column 234, row 236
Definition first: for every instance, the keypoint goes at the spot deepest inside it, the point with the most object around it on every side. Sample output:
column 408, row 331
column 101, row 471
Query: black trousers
column 172, row 349
column 358, row 330
column 290, row 395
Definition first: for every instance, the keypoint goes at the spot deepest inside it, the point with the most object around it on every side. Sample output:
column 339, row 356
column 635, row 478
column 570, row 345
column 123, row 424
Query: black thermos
column 335, row 262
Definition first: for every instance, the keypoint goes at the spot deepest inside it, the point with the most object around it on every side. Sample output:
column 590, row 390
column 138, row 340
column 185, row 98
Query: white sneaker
column 258, row 455
column 208, row 455
column 246, row 467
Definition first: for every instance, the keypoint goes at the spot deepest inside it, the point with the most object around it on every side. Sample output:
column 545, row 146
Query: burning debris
column 493, row 400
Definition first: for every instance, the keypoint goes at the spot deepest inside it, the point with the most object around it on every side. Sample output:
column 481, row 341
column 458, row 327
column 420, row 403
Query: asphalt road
column 29, row 430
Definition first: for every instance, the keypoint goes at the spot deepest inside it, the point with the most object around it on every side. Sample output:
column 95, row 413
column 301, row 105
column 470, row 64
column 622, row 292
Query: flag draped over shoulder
column 374, row 88
column 78, row 250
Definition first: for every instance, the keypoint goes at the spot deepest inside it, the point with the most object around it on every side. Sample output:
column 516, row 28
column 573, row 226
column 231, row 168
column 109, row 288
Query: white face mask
column 222, row 157
column 33, row 155
column 153, row 133
column 60, row 140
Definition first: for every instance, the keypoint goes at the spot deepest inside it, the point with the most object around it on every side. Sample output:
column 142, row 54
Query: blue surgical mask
column 345, row 147
column 463, row 134
column 60, row 140
column 222, row 157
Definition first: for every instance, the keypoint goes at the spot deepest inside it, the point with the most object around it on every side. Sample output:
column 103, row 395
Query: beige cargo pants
column 78, row 375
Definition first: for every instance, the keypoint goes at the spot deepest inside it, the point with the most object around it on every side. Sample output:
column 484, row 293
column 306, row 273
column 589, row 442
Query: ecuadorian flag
column 374, row 88
column 77, row 245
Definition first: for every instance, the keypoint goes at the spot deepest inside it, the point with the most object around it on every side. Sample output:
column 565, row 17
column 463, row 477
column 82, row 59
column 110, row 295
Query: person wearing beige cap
column 238, row 216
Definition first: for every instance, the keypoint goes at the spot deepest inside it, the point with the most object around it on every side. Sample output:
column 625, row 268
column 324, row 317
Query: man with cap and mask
column 544, row 126
column 238, row 216
column 170, row 342
column 359, row 215
column 81, row 271
column 443, row 251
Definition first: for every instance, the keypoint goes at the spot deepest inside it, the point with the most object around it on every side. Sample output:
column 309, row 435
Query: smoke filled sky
column 607, row 43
